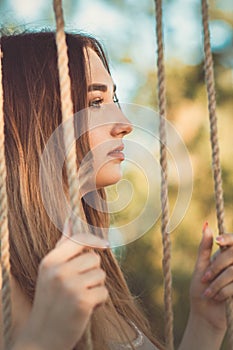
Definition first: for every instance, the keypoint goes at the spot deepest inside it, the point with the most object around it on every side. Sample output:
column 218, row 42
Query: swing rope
column 216, row 167
column 68, row 131
column 164, row 182
column 4, row 233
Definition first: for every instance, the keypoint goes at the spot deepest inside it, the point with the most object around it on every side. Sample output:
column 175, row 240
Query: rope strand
column 67, row 113
column 4, row 233
column 210, row 87
column 68, row 130
column 164, row 183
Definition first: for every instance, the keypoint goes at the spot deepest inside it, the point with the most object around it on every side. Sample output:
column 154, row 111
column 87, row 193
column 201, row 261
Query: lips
column 117, row 152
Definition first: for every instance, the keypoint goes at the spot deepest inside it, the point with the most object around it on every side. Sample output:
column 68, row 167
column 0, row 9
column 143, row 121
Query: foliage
column 187, row 109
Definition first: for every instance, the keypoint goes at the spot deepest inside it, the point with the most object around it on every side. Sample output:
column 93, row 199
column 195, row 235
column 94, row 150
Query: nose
column 122, row 126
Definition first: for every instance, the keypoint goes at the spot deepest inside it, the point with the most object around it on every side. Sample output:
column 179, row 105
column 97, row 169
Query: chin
column 106, row 179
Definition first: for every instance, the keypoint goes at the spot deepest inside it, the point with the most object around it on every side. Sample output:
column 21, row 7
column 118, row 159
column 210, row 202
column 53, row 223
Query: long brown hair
column 32, row 112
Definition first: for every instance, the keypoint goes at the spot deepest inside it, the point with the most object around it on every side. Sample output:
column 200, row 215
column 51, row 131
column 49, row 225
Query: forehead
column 96, row 72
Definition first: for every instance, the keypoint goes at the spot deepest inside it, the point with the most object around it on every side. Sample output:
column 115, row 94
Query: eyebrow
column 100, row 87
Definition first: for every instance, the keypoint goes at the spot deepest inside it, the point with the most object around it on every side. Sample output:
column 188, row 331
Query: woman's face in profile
column 107, row 124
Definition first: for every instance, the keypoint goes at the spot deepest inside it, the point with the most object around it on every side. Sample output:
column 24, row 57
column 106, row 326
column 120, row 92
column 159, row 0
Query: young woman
column 57, row 284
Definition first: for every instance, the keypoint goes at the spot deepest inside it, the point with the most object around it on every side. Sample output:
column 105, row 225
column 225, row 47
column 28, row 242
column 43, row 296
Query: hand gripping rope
column 210, row 86
column 216, row 167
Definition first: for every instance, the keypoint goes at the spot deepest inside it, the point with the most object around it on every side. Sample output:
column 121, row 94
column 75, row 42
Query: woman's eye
column 96, row 103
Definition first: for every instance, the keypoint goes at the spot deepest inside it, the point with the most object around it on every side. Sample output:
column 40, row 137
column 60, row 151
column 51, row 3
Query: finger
column 91, row 279
column 85, row 262
column 224, row 293
column 220, row 263
column 70, row 248
column 219, row 283
column 88, row 261
column 62, row 253
column 215, row 255
column 225, row 239
column 97, row 295
column 205, row 248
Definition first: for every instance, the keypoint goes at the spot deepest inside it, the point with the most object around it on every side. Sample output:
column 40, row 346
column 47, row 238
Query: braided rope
column 164, row 183
column 68, row 129
column 67, row 113
column 4, row 233
column 210, row 86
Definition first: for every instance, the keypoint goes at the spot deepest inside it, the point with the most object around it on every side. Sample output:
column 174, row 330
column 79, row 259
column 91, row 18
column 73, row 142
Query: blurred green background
column 127, row 30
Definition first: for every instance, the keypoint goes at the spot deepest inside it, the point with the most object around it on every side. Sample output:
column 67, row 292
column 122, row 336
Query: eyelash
column 97, row 102
column 115, row 99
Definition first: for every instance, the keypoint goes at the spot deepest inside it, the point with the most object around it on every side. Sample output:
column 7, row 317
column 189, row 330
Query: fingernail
column 205, row 226
column 207, row 292
column 206, row 276
column 219, row 239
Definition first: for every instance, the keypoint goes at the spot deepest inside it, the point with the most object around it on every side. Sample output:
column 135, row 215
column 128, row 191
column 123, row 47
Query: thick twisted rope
column 68, row 129
column 210, row 86
column 4, row 238
column 67, row 114
column 164, row 182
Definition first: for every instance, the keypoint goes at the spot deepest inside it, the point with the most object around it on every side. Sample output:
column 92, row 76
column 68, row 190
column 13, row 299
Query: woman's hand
column 70, row 285
column 212, row 281
column 211, row 285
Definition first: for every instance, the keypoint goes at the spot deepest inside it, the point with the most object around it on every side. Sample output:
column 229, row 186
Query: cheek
column 100, row 145
column 98, row 135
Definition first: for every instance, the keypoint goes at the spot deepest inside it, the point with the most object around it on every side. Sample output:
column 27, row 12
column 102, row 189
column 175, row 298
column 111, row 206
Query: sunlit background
column 126, row 28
